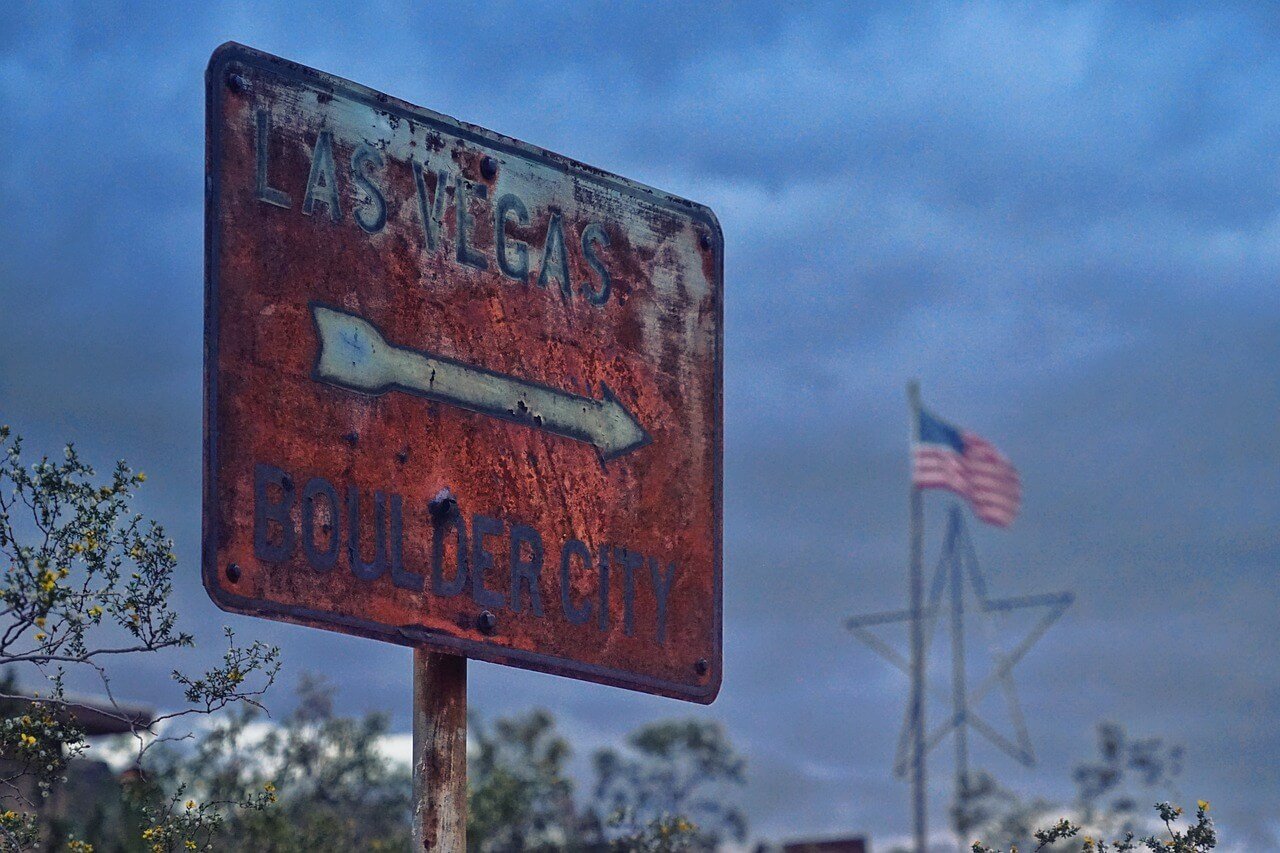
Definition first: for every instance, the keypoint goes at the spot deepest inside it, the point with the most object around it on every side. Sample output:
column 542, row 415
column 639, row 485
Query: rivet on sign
column 702, row 666
column 237, row 83
column 444, row 505
column 233, row 572
column 488, row 168
column 351, row 438
column 487, row 623
column 704, row 240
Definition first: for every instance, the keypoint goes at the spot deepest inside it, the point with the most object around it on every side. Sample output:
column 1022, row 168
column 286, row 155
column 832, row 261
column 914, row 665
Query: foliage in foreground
column 322, row 782
column 86, row 587
column 1196, row 837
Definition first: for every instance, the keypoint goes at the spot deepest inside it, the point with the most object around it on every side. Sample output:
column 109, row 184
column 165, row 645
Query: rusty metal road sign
column 461, row 393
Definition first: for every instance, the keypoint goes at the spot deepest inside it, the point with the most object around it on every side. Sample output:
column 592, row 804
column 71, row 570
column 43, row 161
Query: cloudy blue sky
column 1064, row 218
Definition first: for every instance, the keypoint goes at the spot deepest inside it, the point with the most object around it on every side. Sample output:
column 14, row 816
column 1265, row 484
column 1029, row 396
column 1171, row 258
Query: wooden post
column 439, row 752
column 916, row 587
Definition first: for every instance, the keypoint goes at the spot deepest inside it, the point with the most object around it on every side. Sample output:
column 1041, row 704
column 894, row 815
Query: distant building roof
column 830, row 845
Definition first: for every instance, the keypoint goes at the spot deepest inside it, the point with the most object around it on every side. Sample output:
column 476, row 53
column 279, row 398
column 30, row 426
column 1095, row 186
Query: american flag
column 947, row 457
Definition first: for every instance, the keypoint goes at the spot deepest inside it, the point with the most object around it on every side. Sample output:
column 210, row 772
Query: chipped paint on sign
column 401, row 306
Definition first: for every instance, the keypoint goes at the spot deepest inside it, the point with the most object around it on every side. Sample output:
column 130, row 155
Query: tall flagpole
column 916, row 584
column 959, row 692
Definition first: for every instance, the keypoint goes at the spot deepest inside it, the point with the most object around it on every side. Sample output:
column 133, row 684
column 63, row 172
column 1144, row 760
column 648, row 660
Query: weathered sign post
column 461, row 394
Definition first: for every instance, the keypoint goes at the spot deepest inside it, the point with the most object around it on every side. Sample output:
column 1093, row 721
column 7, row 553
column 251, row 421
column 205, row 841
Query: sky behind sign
column 1063, row 220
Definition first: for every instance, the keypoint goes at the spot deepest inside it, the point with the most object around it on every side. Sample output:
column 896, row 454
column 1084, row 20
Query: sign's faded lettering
column 499, row 563
column 469, row 210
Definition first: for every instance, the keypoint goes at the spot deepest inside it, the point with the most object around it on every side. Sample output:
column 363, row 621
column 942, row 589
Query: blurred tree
column 1106, row 786
column 672, row 776
column 520, row 798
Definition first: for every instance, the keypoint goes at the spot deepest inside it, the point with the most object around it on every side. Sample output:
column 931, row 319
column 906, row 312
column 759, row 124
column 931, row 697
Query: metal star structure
column 958, row 566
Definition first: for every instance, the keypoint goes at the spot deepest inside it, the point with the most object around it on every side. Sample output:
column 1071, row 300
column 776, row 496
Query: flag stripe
column 980, row 484
column 981, row 481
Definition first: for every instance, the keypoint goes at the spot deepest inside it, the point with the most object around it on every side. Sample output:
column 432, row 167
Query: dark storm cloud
column 1062, row 217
